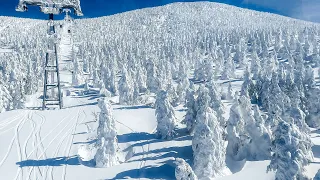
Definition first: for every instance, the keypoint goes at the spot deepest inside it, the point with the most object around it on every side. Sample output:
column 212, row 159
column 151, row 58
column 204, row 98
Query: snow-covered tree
column 165, row 116
column 309, row 77
column 255, row 65
column 125, row 89
column 291, row 150
column 215, row 102
column 77, row 78
column 230, row 94
column 190, row 118
column 237, row 139
column 86, row 87
column 172, row 94
column 208, row 146
column 229, row 69
column 107, row 143
column 182, row 89
column 183, row 170
column 103, row 91
column 260, row 140
column 152, row 80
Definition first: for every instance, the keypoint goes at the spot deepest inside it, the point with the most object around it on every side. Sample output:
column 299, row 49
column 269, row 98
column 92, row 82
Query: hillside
column 242, row 79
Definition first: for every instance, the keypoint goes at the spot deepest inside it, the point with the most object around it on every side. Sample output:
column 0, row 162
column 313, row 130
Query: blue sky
column 302, row 9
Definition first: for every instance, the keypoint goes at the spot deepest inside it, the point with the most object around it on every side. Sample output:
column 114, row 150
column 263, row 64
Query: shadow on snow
column 133, row 107
column 59, row 161
column 164, row 171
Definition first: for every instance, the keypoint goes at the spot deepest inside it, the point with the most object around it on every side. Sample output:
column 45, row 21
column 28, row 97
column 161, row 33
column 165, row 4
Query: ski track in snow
column 64, row 137
column 70, row 143
column 17, row 128
column 37, row 139
column 142, row 148
column 144, row 151
column 55, row 137
column 40, row 144
column 7, row 122
column 145, row 155
column 18, row 144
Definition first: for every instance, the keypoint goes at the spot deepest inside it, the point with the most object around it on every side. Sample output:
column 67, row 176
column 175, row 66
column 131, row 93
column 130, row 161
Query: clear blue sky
column 302, row 9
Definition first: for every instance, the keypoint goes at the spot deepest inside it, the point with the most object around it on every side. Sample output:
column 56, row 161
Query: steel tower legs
column 51, row 71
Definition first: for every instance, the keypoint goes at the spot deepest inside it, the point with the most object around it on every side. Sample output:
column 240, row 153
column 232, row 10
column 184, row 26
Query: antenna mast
column 52, row 7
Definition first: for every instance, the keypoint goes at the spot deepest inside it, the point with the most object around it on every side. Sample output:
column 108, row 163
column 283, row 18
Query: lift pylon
column 51, row 71
column 52, row 88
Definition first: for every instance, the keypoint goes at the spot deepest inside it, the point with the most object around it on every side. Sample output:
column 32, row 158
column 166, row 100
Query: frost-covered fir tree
column 141, row 78
column 215, row 102
column 182, row 89
column 5, row 98
column 172, row 94
column 103, row 91
column 255, row 65
column 229, row 69
column 247, row 88
column 230, row 94
column 190, row 118
column 77, row 78
column 237, row 139
column 309, row 77
column 259, row 144
column 152, row 80
column 107, row 143
column 183, row 170
column 165, row 116
column 17, row 95
column 291, row 150
column 125, row 89
column 208, row 146
column 86, row 87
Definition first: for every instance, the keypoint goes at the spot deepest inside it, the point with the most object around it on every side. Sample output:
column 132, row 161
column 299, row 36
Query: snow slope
column 36, row 144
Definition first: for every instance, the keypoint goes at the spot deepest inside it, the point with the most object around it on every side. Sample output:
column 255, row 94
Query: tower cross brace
column 51, row 63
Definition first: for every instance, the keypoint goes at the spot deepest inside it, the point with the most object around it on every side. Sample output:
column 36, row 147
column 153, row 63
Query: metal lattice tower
column 52, row 88
column 51, row 70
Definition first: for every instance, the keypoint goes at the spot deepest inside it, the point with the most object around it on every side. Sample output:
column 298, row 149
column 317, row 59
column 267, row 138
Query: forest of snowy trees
column 183, row 61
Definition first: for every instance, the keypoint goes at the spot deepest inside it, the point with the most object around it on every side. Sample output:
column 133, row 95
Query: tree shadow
column 316, row 151
column 234, row 166
column 316, row 131
column 81, row 105
column 143, row 143
column 59, row 161
column 164, row 171
column 231, row 81
column 146, row 138
column 134, row 107
column 88, row 142
column 184, row 152
column 136, row 136
column 79, row 133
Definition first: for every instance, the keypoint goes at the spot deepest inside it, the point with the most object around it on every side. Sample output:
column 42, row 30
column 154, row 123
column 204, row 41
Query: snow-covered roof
column 56, row 4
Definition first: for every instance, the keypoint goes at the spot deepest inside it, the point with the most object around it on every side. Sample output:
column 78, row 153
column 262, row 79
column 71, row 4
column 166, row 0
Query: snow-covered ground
column 59, row 144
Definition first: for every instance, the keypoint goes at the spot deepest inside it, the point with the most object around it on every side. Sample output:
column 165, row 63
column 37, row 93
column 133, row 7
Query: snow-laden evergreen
column 183, row 170
column 208, row 146
column 291, row 151
column 107, row 142
column 190, row 117
column 271, row 60
column 237, row 139
column 125, row 89
column 165, row 116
